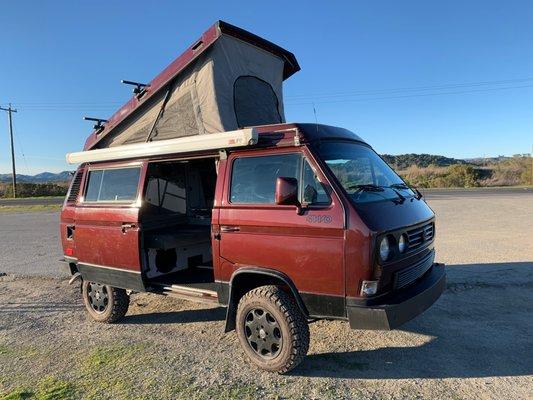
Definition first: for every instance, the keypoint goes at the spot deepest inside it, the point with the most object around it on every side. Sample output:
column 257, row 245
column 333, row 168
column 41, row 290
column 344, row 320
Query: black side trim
column 324, row 306
column 118, row 278
column 237, row 288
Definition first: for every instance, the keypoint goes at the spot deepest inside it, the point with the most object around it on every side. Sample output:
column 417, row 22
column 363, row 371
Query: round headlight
column 384, row 248
column 402, row 243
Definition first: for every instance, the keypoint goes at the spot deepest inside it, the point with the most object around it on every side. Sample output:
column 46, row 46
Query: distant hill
column 43, row 177
column 403, row 161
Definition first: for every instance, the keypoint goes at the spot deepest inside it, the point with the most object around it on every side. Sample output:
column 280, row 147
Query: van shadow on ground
column 480, row 327
column 177, row 317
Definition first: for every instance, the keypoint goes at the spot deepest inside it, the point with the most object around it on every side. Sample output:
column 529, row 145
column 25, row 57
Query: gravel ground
column 475, row 342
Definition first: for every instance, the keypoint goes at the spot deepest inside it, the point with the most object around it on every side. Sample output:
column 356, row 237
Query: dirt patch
column 468, row 345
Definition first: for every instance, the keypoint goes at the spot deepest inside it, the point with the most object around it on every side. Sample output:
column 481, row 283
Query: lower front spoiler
column 402, row 306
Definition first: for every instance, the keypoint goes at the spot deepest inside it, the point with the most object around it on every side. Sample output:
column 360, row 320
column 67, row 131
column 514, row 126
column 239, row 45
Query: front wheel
column 271, row 329
column 104, row 303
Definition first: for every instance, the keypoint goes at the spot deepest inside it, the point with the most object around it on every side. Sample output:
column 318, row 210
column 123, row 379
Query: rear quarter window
column 113, row 185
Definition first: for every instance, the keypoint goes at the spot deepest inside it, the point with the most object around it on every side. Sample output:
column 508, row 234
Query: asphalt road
column 475, row 192
column 29, row 243
column 472, row 226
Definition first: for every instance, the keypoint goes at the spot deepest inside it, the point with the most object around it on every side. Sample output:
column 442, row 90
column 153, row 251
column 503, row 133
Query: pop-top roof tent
column 227, row 80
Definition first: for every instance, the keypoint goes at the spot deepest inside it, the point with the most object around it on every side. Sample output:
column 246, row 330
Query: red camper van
column 198, row 188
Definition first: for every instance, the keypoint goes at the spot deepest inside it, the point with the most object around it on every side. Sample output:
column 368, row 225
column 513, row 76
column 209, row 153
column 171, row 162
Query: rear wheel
column 271, row 329
column 104, row 303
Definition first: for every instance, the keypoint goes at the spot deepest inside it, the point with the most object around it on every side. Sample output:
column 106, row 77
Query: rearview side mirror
column 287, row 191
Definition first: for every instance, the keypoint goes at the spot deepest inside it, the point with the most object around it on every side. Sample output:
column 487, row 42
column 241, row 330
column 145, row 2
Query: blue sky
column 452, row 78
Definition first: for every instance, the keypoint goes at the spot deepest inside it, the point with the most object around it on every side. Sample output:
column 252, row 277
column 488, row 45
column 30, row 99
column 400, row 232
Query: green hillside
column 403, row 161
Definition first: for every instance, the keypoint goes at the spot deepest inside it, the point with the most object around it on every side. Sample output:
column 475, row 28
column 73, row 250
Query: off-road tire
column 291, row 321
column 117, row 305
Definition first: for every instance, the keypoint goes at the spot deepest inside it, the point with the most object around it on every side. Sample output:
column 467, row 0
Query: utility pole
column 9, row 112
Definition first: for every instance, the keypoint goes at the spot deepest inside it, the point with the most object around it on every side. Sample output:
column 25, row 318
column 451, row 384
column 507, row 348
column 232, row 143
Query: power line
column 401, row 91
column 319, row 98
column 406, row 96
column 410, row 89
column 18, row 139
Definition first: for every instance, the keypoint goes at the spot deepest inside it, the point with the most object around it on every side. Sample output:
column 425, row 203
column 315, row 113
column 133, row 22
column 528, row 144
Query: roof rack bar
column 139, row 87
column 213, row 141
column 99, row 122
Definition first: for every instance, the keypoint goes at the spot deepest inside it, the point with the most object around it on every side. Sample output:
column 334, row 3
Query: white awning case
column 218, row 141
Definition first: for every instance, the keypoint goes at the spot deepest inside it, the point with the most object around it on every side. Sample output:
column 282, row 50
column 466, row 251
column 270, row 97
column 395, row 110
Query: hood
column 384, row 216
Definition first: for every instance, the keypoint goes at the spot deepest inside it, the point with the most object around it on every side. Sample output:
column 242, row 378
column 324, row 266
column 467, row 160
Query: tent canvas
column 235, row 82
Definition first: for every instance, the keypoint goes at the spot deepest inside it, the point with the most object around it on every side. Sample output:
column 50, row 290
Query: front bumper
column 402, row 306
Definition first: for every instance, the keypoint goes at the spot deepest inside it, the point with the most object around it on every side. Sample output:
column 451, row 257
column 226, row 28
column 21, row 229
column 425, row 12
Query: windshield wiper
column 379, row 188
column 399, row 186
column 366, row 188
column 401, row 198
column 404, row 186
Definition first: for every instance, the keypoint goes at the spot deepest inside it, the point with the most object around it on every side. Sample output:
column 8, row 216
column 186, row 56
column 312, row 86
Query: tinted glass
column 113, row 185
column 253, row 179
column 355, row 165
column 314, row 192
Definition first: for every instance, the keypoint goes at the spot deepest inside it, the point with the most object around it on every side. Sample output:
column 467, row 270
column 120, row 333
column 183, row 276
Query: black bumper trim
column 404, row 306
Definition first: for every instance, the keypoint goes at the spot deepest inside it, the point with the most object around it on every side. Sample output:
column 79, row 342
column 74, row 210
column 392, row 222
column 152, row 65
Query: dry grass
column 30, row 208
column 515, row 171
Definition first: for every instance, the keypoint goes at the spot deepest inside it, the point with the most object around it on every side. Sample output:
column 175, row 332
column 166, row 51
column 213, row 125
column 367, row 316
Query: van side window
column 253, row 179
column 117, row 184
column 313, row 191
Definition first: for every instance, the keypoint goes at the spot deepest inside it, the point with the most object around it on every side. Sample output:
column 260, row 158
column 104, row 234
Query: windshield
column 363, row 174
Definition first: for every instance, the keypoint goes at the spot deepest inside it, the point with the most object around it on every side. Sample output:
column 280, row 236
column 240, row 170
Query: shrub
column 34, row 190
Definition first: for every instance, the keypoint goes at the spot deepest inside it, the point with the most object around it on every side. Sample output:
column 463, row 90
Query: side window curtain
column 313, row 191
column 253, row 179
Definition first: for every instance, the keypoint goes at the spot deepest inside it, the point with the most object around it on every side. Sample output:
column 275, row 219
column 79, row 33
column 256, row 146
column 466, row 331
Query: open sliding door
column 107, row 234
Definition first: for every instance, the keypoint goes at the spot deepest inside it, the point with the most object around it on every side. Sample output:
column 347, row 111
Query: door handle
column 226, row 229
column 126, row 227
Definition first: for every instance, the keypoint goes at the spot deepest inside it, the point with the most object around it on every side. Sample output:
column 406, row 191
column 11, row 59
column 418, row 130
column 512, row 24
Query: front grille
column 75, row 187
column 408, row 275
column 418, row 236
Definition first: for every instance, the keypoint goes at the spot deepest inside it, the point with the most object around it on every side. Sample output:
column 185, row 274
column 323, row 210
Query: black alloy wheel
column 97, row 297
column 104, row 303
column 272, row 329
column 263, row 333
